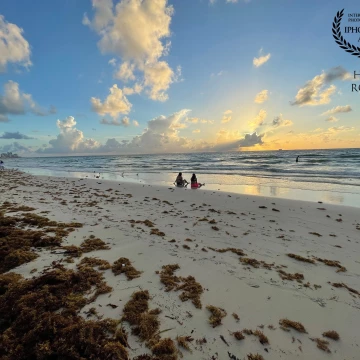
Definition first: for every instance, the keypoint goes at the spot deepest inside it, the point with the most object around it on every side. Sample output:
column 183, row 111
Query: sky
column 166, row 76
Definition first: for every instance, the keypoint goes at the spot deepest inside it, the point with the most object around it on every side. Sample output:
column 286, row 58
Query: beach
column 235, row 249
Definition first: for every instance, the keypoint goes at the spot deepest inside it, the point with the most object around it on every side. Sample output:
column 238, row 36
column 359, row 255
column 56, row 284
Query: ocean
column 331, row 176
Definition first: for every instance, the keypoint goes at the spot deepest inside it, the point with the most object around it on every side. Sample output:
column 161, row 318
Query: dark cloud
column 15, row 135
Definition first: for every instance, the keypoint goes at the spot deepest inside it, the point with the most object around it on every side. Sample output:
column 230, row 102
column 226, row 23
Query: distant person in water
column 194, row 182
column 297, row 158
column 1, row 165
column 180, row 181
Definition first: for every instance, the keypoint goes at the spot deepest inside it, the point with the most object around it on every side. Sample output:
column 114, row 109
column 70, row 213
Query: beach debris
column 262, row 337
column 238, row 335
column 183, row 341
column 215, row 228
column 223, row 339
column 342, row 285
column 286, row 324
column 186, row 247
column 315, row 233
column 254, row 357
column 123, row 265
column 287, row 276
column 262, row 207
column 236, row 317
column 157, row 232
column 42, row 314
column 20, row 234
column 191, row 289
column 166, row 349
column 233, row 250
column 92, row 244
column 300, row 258
column 322, row 344
column 331, row 334
column 217, row 314
column 93, row 262
column 333, row 263
column 273, row 209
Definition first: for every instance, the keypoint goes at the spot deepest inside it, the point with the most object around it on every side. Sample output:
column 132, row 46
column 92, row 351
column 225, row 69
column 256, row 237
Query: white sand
column 259, row 296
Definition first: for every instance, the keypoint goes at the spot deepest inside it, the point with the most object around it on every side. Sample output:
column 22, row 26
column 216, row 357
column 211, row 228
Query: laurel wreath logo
column 339, row 39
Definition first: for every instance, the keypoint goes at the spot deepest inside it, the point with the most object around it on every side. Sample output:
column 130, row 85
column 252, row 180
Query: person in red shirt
column 194, row 182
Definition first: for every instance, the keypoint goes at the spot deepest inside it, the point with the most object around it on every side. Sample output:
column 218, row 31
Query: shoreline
column 265, row 229
column 267, row 187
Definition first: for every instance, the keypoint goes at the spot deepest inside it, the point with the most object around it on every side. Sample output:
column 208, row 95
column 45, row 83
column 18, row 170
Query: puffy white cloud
column 70, row 139
column 259, row 119
column 314, row 91
column 133, row 90
column 280, row 121
column 14, row 48
column 158, row 77
column 14, row 135
column 126, row 71
column 196, row 131
column 227, row 116
column 135, row 30
column 338, row 109
column 135, row 123
column 332, row 119
column 115, row 104
column 16, row 102
column 262, row 96
column 261, row 60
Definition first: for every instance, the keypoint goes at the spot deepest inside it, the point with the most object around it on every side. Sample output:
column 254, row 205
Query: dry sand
column 265, row 229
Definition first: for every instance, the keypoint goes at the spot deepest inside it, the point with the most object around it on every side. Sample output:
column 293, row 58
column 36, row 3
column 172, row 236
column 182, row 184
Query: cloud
column 4, row 118
column 259, row 119
column 315, row 92
column 248, row 140
column 15, row 102
column 262, row 96
column 332, row 119
column 16, row 148
column 126, row 72
column 14, row 135
column 261, row 60
column 115, row 104
column 135, row 123
column 338, row 109
column 220, row 73
column 52, row 109
column 196, row 131
column 70, row 140
column 226, row 117
column 136, row 30
column 124, row 122
column 13, row 46
column 337, row 129
column 112, row 62
column 279, row 121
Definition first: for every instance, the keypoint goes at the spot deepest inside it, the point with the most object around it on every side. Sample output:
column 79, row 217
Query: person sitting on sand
column 194, row 183
column 180, row 181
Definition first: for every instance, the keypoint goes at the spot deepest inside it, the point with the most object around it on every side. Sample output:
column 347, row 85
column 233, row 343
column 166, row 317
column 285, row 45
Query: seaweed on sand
column 20, row 234
column 333, row 263
column 191, row 289
column 93, row 262
column 332, row 334
column 217, row 314
column 286, row 323
column 288, row 276
column 92, row 244
column 123, row 265
column 300, row 258
column 40, row 318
